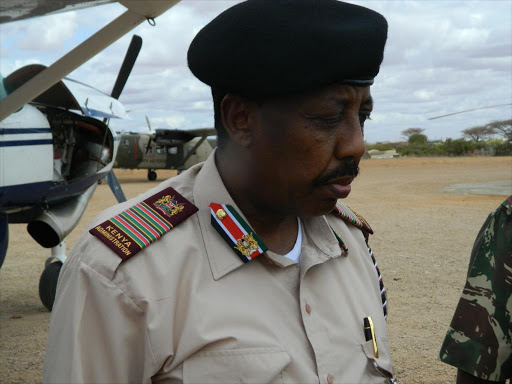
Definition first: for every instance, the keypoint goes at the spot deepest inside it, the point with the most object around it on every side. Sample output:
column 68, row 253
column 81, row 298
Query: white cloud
column 170, row 121
column 48, row 33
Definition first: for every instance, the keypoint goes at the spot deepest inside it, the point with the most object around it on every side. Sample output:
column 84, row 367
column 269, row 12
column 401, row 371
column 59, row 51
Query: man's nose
column 350, row 141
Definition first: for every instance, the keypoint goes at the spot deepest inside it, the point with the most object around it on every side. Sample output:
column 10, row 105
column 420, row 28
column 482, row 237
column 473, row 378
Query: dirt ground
column 422, row 242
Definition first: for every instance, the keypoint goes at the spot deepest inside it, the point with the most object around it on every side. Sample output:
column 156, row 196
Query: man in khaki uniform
column 246, row 268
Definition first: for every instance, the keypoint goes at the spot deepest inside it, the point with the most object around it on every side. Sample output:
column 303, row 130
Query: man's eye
column 333, row 122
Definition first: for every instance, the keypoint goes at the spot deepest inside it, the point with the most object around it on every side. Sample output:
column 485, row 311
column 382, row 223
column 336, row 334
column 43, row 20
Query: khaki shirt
column 186, row 309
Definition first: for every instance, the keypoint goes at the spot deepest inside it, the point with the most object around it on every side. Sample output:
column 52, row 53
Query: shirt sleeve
column 479, row 340
column 97, row 333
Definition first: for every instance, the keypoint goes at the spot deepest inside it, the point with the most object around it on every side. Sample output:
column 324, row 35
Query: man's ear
column 237, row 120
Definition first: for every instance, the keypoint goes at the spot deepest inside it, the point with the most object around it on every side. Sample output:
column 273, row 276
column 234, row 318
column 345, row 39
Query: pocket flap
column 248, row 366
column 383, row 363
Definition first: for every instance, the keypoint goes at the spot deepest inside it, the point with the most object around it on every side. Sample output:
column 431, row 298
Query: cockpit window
column 4, row 89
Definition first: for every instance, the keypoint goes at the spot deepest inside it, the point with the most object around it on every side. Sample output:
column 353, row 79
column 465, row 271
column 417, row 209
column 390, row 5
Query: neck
column 278, row 230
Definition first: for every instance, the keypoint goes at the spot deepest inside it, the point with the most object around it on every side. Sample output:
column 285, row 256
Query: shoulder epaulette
column 137, row 227
column 354, row 219
column 236, row 232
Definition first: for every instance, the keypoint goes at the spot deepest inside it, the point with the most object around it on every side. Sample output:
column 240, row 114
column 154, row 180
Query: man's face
column 307, row 149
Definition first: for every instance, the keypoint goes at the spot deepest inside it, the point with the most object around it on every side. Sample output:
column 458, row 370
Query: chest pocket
column 247, row 366
column 381, row 370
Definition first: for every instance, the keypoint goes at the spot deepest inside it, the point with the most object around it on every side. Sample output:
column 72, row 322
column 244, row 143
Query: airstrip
column 423, row 239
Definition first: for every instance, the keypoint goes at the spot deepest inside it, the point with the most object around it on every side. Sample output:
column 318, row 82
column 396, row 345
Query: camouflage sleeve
column 479, row 340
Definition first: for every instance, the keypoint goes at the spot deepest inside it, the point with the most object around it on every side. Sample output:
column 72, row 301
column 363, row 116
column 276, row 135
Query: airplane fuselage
column 49, row 155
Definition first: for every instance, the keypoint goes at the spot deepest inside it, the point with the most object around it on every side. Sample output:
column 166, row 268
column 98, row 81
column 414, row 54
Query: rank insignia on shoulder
column 137, row 227
column 354, row 219
column 236, row 232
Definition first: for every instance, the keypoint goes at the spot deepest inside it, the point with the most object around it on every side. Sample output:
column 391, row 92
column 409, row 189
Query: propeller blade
column 148, row 145
column 126, row 68
column 115, row 187
column 147, row 122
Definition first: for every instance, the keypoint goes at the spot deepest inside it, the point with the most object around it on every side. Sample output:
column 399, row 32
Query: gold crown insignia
column 247, row 245
column 169, row 206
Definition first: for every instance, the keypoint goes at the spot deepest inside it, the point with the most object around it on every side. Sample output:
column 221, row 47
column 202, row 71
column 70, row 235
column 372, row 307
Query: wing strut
column 137, row 12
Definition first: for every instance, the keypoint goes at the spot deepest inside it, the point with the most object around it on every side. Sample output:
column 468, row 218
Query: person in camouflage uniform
column 479, row 340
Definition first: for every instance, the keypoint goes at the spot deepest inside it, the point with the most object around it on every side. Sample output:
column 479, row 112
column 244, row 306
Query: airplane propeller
column 150, row 137
column 122, row 78
column 127, row 66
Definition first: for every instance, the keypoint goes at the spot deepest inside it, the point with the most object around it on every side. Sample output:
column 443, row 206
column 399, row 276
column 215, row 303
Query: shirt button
column 308, row 309
column 330, row 379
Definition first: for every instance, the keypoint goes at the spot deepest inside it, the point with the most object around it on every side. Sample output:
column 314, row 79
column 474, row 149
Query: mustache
column 347, row 168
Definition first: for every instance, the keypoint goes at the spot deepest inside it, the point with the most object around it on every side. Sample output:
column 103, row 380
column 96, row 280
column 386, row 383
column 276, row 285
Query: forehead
column 333, row 95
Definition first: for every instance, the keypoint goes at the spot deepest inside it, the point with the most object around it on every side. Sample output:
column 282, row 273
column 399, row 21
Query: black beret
column 275, row 47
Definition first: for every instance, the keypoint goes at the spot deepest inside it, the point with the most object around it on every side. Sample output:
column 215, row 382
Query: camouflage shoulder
column 144, row 222
column 507, row 204
column 350, row 216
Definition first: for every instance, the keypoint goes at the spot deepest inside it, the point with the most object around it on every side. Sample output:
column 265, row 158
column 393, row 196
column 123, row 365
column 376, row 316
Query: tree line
column 477, row 140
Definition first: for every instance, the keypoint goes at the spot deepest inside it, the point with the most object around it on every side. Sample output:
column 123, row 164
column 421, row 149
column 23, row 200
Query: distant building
column 389, row 154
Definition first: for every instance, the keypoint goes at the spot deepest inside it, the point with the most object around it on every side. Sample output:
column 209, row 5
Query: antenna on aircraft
column 469, row 110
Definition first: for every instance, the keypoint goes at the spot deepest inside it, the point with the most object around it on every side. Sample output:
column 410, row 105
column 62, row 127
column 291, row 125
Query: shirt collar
column 209, row 188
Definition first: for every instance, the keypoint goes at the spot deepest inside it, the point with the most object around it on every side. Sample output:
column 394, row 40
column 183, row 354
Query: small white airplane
column 55, row 143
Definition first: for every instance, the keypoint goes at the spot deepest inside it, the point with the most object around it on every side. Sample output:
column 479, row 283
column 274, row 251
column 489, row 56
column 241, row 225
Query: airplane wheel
column 48, row 284
column 151, row 175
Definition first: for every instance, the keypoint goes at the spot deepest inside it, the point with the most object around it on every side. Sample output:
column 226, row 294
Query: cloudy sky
column 441, row 57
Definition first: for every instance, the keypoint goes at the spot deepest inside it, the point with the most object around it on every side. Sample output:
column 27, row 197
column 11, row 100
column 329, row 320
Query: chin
column 322, row 207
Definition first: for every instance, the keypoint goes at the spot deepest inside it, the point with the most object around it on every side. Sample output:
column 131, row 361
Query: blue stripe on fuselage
column 14, row 131
column 17, row 143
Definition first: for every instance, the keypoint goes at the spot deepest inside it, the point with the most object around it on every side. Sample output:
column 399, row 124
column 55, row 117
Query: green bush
column 503, row 148
column 458, row 147
column 418, row 138
column 420, row 146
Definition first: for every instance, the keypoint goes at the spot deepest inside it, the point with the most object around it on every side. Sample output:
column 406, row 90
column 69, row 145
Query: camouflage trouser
column 479, row 340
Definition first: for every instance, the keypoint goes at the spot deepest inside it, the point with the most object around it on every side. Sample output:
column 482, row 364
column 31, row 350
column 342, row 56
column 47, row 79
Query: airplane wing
column 202, row 131
column 14, row 10
column 70, row 94
column 137, row 12
column 170, row 136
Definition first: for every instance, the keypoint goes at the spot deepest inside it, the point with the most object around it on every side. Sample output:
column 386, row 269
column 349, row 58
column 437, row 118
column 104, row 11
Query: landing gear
column 50, row 275
column 48, row 284
column 151, row 175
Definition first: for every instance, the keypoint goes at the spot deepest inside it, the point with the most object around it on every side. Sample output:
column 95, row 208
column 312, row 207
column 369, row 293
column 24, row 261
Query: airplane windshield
column 3, row 87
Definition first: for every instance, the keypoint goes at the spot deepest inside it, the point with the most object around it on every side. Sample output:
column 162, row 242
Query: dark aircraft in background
column 164, row 149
